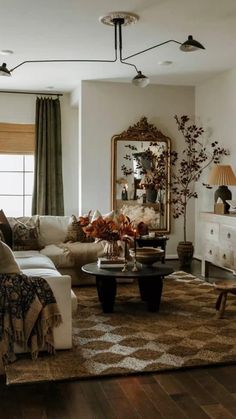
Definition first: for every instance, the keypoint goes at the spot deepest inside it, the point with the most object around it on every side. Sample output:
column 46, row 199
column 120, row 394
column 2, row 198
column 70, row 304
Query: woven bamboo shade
column 222, row 175
column 17, row 138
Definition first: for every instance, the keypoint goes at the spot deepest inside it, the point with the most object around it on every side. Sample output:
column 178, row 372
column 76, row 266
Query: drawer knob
column 210, row 252
column 212, row 231
column 228, row 235
column 224, row 256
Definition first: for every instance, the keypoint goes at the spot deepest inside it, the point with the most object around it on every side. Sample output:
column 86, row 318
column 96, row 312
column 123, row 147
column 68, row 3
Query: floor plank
column 217, row 411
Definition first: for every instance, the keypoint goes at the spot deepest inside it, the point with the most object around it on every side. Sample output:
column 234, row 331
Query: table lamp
column 223, row 176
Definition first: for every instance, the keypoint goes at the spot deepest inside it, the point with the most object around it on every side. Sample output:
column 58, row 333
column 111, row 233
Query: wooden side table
column 223, row 287
column 158, row 241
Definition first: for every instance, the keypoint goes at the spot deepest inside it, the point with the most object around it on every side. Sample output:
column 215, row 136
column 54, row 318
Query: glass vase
column 112, row 250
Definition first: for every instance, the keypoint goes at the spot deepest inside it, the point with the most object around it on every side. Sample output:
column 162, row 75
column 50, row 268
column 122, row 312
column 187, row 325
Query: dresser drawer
column 226, row 258
column 211, row 231
column 211, row 252
column 228, row 235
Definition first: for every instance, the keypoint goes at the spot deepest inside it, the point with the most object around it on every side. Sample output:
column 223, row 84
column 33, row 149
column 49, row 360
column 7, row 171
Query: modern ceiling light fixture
column 117, row 20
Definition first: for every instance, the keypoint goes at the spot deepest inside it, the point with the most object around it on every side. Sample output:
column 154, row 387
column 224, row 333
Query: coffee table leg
column 150, row 291
column 106, row 289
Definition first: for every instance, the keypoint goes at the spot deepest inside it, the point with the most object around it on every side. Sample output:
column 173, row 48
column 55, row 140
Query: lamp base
column 225, row 194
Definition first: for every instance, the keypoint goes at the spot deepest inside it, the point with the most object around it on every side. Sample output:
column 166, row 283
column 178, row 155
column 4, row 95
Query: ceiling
column 70, row 29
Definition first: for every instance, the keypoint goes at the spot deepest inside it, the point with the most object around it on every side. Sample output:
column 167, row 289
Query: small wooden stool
column 223, row 287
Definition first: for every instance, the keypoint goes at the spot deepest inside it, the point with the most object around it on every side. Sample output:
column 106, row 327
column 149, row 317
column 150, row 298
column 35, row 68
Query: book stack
column 109, row 263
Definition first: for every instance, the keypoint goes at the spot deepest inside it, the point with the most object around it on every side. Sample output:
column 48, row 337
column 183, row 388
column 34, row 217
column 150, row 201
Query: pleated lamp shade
column 222, row 175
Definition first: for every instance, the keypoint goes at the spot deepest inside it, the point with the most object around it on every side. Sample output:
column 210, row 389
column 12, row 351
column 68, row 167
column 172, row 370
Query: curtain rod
column 32, row 93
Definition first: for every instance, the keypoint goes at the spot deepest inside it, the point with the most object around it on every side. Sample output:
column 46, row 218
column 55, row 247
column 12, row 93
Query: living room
column 103, row 103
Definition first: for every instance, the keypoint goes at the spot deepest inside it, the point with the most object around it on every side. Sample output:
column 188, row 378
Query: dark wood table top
column 157, row 269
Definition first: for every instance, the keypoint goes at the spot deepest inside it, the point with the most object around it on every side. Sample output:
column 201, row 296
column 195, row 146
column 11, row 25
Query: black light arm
column 73, row 61
column 154, row 46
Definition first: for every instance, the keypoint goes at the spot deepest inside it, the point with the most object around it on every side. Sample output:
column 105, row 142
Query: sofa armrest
column 61, row 288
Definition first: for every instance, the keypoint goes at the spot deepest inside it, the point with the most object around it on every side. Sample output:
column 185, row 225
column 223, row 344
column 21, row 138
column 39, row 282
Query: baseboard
column 172, row 257
column 175, row 257
column 198, row 257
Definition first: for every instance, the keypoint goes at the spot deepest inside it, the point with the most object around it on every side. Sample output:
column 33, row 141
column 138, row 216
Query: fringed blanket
column 28, row 314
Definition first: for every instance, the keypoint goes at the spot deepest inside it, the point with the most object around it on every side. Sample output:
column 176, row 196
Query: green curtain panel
column 48, row 184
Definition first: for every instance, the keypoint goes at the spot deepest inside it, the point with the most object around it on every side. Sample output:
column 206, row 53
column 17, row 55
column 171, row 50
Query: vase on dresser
column 185, row 253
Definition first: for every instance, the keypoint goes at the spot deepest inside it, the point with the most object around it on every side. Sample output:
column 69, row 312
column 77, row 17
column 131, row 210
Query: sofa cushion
column 75, row 233
column 32, row 260
column 43, row 272
column 25, row 233
column 60, row 256
column 53, row 229
column 8, row 264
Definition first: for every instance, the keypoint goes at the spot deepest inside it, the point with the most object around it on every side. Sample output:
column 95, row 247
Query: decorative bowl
column 147, row 255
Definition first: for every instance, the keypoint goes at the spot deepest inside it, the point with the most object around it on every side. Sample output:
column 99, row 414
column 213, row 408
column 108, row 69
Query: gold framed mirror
column 141, row 175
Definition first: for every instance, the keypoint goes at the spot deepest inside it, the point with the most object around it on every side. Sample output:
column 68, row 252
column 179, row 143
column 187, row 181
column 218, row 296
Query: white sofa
column 52, row 234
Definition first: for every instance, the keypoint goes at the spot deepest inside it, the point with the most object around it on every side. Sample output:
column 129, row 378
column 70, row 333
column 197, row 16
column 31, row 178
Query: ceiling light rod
column 73, row 61
column 119, row 22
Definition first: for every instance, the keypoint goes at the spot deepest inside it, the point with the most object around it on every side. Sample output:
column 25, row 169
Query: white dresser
column 218, row 241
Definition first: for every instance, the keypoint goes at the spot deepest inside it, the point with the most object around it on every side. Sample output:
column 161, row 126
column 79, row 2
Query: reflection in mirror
column 141, row 175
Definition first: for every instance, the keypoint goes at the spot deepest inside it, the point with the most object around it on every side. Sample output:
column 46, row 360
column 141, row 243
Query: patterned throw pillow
column 25, row 234
column 75, row 232
column 5, row 229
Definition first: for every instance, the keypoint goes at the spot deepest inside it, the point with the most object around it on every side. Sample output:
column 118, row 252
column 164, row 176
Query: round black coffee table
column 150, row 281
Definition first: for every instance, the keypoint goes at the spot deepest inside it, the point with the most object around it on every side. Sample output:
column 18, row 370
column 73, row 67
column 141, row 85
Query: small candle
column 135, row 242
column 126, row 247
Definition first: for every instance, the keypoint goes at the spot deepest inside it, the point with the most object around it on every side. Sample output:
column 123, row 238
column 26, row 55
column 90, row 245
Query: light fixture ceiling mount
column 128, row 18
column 117, row 20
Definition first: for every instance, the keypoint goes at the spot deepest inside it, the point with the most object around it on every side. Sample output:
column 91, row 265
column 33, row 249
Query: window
column 16, row 168
column 16, row 184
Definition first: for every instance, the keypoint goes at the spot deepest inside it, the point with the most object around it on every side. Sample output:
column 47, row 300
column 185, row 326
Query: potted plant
column 186, row 170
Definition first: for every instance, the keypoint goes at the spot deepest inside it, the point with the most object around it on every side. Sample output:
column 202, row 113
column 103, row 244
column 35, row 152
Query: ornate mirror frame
column 143, row 131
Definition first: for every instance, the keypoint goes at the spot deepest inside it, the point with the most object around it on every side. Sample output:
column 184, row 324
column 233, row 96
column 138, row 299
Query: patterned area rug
column 185, row 333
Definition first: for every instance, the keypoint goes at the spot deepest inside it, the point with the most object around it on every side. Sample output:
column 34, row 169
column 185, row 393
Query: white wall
column 216, row 112
column 20, row 108
column 110, row 108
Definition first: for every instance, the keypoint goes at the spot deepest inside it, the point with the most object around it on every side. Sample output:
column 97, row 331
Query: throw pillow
column 25, row 234
column 75, row 232
column 8, row 264
column 5, row 228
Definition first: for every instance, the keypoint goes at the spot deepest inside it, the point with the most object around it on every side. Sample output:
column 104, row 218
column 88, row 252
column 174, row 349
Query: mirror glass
column 141, row 175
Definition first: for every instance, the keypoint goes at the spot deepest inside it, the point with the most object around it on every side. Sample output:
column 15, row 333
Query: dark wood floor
column 196, row 393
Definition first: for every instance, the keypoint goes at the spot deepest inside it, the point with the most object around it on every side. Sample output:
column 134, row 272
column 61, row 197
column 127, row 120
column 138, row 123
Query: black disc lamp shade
column 4, row 70
column 191, row 45
column 117, row 20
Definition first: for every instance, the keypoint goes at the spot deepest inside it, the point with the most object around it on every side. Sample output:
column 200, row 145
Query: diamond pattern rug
column 185, row 333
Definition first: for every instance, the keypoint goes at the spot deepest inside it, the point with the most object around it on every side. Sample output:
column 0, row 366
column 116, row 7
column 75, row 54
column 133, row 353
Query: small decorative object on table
column 104, row 263
column 135, row 267
column 125, row 268
column 147, row 255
